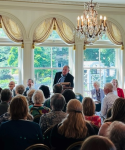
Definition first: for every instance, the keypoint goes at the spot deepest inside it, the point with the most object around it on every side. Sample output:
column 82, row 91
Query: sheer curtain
column 11, row 29
column 114, row 34
column 43, row 31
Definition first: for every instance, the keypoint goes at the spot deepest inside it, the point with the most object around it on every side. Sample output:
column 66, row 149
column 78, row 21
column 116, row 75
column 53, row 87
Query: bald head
column 11, row 85
column 65, row 70
column 108, row 88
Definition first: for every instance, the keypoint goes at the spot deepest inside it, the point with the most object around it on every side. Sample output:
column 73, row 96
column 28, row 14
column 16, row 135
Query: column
column 28, row 62
column 79, row 66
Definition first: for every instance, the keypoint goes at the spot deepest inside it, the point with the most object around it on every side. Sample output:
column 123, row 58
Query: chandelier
column 89, row 27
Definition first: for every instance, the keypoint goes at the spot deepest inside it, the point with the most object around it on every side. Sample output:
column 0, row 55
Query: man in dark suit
column 64, row 76
column 29, row 86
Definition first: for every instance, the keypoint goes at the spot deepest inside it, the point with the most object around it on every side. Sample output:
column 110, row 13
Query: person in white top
column 109, row 99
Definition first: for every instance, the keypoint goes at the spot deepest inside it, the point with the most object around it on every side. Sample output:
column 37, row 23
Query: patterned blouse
column 39, row 110
column 50, row 119
column 96, row 120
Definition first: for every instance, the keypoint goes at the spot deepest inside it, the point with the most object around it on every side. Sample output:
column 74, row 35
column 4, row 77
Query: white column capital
column 79, row 41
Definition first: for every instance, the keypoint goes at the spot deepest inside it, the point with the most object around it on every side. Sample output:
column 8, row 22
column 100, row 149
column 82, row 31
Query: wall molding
column 58, row 5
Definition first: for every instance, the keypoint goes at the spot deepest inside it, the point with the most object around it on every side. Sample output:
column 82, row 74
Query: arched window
column 99, row 64
column 49, row 58
column 9, row 60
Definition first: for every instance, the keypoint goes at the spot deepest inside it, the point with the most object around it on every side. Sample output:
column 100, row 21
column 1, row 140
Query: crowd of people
column 26, row 114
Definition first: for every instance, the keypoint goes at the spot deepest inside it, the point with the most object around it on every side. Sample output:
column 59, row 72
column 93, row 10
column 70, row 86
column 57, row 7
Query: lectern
column 66, row 85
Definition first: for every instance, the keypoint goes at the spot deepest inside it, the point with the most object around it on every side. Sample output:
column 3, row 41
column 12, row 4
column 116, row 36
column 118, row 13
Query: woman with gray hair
column 38, row 108
column 97, row 93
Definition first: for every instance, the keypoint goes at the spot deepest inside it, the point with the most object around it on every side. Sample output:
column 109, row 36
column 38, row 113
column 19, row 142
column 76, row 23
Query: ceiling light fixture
column 89, row 27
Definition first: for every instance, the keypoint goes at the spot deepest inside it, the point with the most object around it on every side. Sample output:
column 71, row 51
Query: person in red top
column 89, row 111
column 116, row 90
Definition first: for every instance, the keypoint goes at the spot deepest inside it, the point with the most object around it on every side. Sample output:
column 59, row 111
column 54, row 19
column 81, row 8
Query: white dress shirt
column 107, row 103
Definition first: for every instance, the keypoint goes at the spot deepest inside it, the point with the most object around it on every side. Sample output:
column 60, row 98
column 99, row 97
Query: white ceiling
column 98, row 1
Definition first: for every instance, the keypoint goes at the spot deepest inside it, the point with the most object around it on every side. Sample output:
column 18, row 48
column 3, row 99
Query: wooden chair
column 46, row 136
column 38, row 147
column 75, row 146
column 96, row 128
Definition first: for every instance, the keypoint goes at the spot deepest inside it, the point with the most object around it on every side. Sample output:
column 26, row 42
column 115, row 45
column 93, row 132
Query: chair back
column 38, row 147
column 37, row 118
column 96, row 129
column 46, row 136
column 79, row 97
column 75, row 146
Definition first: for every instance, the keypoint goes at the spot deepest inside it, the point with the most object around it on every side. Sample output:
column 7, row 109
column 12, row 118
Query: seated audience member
column 97, row 93
column 89, row 111
column 116, row 133
column 29, row 96
column 19, row 89
column 72, row 129
column 6, row 97
column 68, row 94
column 30, row 84
column 56, row 115
column 11, row 87
column 6, row 116
column 117, row 114
column 57, row 88
column 0, row 93
column 45, row 90
column 97, row 143
column 109, row 113
column 116, row 90
column 18, row 133
column 109, row 99
column 38, row 108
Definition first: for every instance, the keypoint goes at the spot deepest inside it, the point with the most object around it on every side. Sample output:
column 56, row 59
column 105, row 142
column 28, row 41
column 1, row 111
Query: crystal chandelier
column 89, row 27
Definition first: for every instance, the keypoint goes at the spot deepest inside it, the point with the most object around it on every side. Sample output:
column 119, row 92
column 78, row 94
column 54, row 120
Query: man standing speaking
column 64, row 76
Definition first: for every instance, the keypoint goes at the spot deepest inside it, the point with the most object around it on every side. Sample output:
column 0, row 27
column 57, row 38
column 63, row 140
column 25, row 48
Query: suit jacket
column 69, row 78
column 120, row 92
column 25, row 93
column 93, row 93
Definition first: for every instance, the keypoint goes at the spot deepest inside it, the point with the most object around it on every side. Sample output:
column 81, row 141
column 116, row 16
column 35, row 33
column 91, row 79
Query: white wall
column 28, row 15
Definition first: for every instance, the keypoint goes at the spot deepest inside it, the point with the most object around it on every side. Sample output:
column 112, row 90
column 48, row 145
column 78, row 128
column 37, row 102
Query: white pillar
column 28, row 63
column 123, row 69
column 79, row 66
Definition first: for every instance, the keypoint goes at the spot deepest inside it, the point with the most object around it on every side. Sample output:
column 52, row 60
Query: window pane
column 2, row 33
column 101, row 75
column 54, row 35
column 8, row 56
column 60, row 56
column 6, row 75
column 42, row 57
column 42, row 76
column 91, row 58
column 107, row 57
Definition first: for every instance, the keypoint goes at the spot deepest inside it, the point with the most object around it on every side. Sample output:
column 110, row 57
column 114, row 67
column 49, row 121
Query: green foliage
column 13, row 57
column 91, row 55
column 4, row 83
column 107, row 56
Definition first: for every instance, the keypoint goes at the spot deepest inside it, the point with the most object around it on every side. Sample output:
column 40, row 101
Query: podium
column 66, row 85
